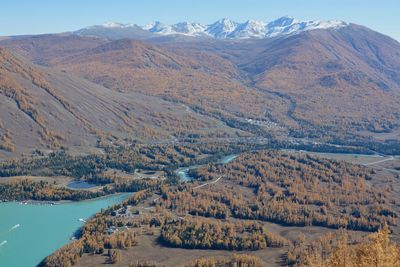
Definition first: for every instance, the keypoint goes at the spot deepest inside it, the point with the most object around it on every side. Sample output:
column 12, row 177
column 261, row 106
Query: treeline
column 43, row 191
column 387, row 147
column 236, row 260
column 92, row 168
column 290, row 189
column 209, row 234
column 343, row 148
column 127, row 159
column 70, row 254
column 337, row 249
column 239, row 260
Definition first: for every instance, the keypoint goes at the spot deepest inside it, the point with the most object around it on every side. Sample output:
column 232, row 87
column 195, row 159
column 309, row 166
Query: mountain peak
column 250, row 29
column 224, row 20
column 156, row 26
column 189, row 28
column 116, row 25
column 223, row 28
column 282, row 22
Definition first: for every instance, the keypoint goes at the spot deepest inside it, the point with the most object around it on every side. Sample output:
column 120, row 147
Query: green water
column 43, row 228
column 183, row 172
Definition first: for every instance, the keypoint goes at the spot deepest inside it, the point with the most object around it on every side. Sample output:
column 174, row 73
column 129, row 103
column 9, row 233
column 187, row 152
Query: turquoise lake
column 28, row 233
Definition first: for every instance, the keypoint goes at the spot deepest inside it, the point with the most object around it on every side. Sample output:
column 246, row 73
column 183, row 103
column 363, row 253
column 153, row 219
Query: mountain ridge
column 221, row 29
column 329, row 85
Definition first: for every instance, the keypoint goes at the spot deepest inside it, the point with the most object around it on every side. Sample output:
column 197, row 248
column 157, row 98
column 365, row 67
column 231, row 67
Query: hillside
column 200, row 134
column 204, row 81
column 48, row 109
column 348, row 78
column 334, row 84
column 337, row 80
column 41, row 49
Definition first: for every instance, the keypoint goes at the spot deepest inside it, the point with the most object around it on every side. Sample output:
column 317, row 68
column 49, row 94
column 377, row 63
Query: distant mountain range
column 221, row 29
column 287, row 80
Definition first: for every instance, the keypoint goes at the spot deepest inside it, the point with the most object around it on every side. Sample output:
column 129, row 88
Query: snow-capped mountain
column 249, row 29
column 158, row 27
column 115, row 25
column 286, row 25
column 221, row 29
column 113, row 30
column 108, row 25
column 186, row 28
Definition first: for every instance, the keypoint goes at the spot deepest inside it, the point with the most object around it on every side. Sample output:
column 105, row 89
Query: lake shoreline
column 59, row 202
column 52, row 225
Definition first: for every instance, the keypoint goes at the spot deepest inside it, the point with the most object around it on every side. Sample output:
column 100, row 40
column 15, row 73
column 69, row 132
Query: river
column 183, row 173
column 28, row 233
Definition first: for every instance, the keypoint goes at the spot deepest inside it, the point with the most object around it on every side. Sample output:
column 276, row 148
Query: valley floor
column 149, row 247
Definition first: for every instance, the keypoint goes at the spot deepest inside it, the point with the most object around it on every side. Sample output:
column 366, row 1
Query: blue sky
column 46, row 16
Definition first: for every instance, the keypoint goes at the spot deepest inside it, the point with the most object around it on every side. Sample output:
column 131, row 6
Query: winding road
column 379, row 161
column 212, row 182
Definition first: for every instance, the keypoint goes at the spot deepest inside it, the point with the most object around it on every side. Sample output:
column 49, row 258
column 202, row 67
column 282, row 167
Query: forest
column 208, row 234
column 125, row 158
column 92, row 168
column 44, row 191
column 338, row 249
column 231, row 213
column 333, row 249
column 290, row 189
column 242, row 260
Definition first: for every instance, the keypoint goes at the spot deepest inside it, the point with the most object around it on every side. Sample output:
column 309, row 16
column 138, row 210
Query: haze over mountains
column 287, row 80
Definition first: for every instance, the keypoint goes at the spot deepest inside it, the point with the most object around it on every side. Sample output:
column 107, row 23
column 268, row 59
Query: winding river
column 183, row 173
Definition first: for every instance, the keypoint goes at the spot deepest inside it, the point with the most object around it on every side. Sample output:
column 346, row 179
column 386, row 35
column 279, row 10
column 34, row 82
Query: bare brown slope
column 348, row 78
column 330, row 82
column 43, row 108
column 337, row 80
column 202, row 80
column 42, row 49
